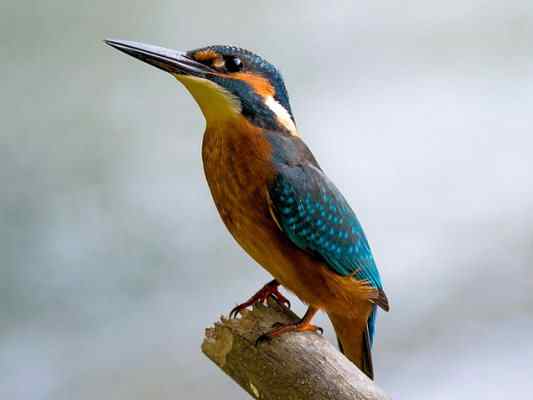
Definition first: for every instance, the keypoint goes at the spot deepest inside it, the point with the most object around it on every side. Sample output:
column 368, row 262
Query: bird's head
column 227, row 82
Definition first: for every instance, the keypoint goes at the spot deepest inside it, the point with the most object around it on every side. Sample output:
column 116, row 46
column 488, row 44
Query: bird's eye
column 233, row 64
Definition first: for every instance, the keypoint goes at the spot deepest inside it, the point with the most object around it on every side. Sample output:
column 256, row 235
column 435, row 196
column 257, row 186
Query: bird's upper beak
column 172, row 61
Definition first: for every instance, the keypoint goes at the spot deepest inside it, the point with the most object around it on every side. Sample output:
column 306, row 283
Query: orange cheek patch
column 259, row 84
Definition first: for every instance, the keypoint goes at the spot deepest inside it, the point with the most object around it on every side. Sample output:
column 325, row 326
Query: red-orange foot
column 304, row 325
column 270, row 289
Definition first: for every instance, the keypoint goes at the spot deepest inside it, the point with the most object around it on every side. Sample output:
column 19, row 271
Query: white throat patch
column 281, row 114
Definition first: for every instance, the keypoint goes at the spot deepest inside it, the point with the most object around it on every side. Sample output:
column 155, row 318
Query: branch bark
column 295, row 366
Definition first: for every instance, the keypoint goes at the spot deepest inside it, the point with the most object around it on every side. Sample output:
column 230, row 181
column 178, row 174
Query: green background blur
column 113, row 258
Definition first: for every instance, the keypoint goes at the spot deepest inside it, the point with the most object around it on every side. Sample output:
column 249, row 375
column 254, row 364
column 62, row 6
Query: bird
column 273, row 196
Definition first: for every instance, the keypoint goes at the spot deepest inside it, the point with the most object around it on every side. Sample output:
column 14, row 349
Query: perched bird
column 272, row 194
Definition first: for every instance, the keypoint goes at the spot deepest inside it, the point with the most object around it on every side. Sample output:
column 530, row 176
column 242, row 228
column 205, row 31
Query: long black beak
column 175, row 62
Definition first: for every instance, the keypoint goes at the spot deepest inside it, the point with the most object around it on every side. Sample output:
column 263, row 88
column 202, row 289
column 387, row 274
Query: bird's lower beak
column 175, row 62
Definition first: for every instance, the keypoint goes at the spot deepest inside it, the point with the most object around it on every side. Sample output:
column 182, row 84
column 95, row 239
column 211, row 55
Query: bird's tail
column 355, row 339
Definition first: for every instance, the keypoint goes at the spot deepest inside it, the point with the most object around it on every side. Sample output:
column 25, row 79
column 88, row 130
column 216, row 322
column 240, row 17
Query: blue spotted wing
column 316, row 218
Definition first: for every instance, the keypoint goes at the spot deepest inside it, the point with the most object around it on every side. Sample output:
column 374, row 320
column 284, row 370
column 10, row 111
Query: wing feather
column 315, row 216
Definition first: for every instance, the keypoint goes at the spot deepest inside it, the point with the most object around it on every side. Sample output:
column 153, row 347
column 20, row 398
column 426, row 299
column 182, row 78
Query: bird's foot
column 281, row 329
column 303, row 325
column 269, row 290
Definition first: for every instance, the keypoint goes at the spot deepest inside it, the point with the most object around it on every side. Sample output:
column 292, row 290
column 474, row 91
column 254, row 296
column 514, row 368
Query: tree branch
column 292, row 367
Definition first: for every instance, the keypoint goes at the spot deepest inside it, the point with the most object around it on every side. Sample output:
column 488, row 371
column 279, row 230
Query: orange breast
column 238, row 168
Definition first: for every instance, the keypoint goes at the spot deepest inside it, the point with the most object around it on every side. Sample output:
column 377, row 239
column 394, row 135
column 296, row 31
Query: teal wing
column 316, row 218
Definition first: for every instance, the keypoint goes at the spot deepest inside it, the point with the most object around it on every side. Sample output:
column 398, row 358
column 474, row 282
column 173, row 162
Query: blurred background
column 113, row 258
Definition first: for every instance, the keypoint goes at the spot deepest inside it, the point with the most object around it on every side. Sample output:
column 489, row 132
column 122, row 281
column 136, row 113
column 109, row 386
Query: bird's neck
column 221, row 107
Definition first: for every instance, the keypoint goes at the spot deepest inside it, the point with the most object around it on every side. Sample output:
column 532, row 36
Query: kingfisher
column 273, row 196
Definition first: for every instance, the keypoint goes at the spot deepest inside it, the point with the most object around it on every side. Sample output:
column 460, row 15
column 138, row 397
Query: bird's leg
column 270, row 289
column 304, row 325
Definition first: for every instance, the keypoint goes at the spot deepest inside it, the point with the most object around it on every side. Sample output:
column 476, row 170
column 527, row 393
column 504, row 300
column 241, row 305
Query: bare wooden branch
column 295, row 366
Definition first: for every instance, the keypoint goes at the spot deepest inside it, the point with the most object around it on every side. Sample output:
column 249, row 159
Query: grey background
column 113, row 258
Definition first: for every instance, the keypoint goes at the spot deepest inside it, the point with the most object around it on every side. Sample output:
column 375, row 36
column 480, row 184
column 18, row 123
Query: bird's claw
column 236, row 311
column 262, row 339
column 269, row 290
